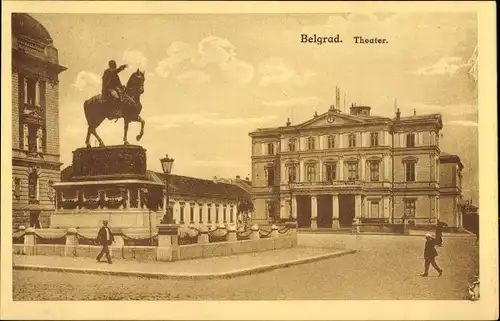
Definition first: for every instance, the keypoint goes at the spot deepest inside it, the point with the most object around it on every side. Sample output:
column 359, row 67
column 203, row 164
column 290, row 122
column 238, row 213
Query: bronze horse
column 129, row 108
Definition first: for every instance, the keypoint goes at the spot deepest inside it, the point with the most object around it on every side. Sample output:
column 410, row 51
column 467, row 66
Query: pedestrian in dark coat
column 105, row 237
column 430, row 254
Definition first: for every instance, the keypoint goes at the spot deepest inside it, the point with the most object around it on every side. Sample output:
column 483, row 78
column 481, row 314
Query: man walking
column 105, row 237
column 430, row 254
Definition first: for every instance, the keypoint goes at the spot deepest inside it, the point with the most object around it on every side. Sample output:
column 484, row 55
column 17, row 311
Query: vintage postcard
column 249, row 160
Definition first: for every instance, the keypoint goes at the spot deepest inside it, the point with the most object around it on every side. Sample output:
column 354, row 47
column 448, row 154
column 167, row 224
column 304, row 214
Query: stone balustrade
column 230, row 241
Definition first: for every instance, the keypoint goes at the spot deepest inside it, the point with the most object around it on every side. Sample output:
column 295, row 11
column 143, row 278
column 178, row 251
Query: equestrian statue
column 115, row 102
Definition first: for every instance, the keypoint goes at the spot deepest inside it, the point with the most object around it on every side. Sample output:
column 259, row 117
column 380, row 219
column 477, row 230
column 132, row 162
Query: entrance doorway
column 325, row 209
column 347, row 205
column 303, row 211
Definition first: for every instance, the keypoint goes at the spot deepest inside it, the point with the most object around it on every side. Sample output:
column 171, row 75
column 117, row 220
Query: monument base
column 108, row 183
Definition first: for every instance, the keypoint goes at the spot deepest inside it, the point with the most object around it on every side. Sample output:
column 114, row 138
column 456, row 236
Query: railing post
column 231, row 234
column 254, row 235
column 203, row 236
column 30, row 241
column 168, row 242
column 274, row 231
column 71, row 242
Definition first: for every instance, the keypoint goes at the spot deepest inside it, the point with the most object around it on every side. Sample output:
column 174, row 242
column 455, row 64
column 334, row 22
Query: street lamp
column 166, row 164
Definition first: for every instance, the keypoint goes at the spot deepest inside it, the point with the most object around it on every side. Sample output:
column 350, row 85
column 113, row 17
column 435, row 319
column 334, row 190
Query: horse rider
column 111, row 85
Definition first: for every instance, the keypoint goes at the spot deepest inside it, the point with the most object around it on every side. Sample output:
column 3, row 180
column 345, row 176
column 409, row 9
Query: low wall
column 168, row 248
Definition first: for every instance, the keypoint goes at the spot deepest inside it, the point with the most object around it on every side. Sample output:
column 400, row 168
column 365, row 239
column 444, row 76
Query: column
column 341, row 169
column 294, row 207
column 357, row 209
column 37, row 93
column 363, row 165
column 340, row 140
column 335, row 212
column 401, row 140
column 314, row 212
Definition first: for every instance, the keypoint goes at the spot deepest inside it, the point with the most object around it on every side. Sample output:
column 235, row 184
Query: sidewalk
column 216, row 267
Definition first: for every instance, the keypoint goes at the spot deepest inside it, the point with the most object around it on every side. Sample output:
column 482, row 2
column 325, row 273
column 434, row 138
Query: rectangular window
column 217, row 214
column 331, row 141
column 17, row 187
column 182, row 214
column 270, row 149
column 374, row 207
column 33, row 187
column 292, row 144
column 330, row 172
column 209, row 212
column 410, row 171
column 200, row 206
column 352, row 140
column 374, row 139
column 224, row 214
column 374, row 171
column 292, row 173
column 311, row 143
column 270, row 176
column 352, row 171
column 191, row 213
column 410, row 140
column 231, row 215
column 409, row 208
column 311, row 172
column 31, row 92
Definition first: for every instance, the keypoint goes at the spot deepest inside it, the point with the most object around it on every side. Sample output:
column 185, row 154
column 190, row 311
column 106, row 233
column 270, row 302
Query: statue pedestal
column 108, row 183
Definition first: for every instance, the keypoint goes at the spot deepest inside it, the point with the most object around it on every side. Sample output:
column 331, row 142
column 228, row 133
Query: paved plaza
column 384, row 267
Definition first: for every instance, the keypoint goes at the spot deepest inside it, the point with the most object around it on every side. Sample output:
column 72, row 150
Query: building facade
column 451, row 203
column 337, row 166
column 35, row 121
column 196, row 201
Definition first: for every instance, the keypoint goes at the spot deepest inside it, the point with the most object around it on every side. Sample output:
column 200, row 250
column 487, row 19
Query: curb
column 153, row 275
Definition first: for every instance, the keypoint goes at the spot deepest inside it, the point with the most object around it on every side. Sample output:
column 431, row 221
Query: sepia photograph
column 312, row 155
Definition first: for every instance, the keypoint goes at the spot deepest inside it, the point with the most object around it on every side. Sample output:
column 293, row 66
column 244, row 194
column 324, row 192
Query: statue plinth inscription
column 111, row 162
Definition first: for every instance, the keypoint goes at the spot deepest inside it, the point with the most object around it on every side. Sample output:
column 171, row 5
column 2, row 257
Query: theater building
column 339, row 166
column 35, row 121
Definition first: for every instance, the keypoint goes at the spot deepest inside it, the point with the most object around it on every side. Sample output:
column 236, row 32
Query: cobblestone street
column 385, row 267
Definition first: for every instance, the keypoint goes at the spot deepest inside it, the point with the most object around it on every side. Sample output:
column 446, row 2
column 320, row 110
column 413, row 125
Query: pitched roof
column 197, row 187
column 189, row 186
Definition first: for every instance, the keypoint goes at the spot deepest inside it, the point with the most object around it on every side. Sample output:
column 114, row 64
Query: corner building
column 336, row 167
column 35, row 122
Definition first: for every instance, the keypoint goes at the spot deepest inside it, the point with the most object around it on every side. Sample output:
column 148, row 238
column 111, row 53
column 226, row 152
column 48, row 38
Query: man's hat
column 428, row 236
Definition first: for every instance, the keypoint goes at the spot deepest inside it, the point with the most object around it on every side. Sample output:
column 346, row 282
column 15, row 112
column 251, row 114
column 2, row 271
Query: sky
column 211, row 79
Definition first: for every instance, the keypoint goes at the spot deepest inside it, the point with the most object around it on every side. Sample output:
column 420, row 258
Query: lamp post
column 166, row 164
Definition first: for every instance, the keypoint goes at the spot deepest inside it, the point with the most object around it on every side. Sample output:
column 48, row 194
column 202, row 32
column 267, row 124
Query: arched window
column 292, row 172
column 292, row 144
column 331, row 141
column 352, row 140
column 311, row 143
column 269, row 170
column 311, row 172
